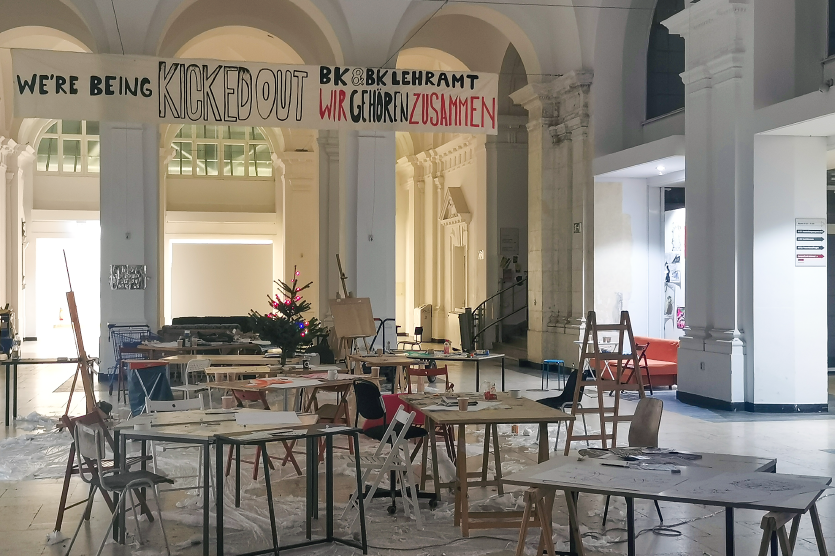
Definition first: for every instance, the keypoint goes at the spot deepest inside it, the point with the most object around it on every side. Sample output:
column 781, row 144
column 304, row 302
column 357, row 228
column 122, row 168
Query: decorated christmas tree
column 286, row 326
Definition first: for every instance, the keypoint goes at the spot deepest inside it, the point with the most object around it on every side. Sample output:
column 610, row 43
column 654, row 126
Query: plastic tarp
column 156, row 383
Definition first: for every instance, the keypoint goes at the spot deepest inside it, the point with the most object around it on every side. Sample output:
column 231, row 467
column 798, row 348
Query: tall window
column 831, row 32
column 70, row 147
column 201, row 150
column 665, row 63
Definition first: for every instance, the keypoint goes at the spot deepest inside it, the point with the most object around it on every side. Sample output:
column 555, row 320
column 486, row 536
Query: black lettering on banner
column 443, row 77
column 430, row 75
column 417, row 79
column 209, row 94
column 404, row 105
column 194, row 92
column 457, row 80
column 356, row 111
column 339, row 77
column 299, row 76
column 369, row 77
column 131, row 90
column 265, row 87
column 95, row 86
column 108, row 85
column 244, row 93
column 363, row 103
column 387, row 100
column 144, row 87
column 324, row 75
column 42, row 79
column 357, row 79
column 230, row 101
column 167, row 100
column 378, row 110
column 283, row 95
column 60, row 81
column 394, row 79
column 22, row 85
column 472, row 79
column 381, row 77
column 73, row 84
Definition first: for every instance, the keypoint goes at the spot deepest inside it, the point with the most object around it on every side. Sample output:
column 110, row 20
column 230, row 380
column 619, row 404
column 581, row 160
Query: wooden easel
column 85, row 364
column 353, row 320
column 600, row 362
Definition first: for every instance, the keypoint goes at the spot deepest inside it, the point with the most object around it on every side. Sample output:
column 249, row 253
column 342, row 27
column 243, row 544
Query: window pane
column 92, row 128
column 181, row 163
column 71, row 127
column 72, row 155
column 234, row 132
column 53, row 128
column 207, row 159
column 233, row 160
column 205, row 132
column 260, row 162
column 93, row 156
column 255, row 133
column 185, row 132
column 48, row 155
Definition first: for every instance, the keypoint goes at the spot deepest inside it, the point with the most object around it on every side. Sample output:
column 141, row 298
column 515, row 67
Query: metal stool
column 546, row 372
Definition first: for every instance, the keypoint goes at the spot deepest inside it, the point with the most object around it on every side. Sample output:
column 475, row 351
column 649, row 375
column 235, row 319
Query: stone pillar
column 328, row 221
column 719, row 103
column 301, row 229
column 560, row 216
column 130, row 216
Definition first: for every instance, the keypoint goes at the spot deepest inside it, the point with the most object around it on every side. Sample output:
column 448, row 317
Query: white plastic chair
column 189, row 388
column 397, row 461
column 166, row 406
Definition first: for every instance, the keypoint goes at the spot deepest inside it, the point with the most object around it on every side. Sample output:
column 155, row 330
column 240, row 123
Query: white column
column 130, row 213
column 790, row 320
column 375, row 225
column 328, row 220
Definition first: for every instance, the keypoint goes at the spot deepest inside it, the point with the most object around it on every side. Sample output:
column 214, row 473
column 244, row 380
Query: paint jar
column 375, row 372
column 227, row 402
column 514, row 429
column 516, row 394
column 333, row 374
column 463, row 404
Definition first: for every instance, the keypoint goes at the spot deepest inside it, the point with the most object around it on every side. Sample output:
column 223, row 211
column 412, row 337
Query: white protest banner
column 105, row 87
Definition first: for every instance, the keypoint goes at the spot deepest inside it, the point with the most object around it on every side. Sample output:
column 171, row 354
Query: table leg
column 477, row 375
column 360, row 497
column 729, row 532
column 497, row 458
column 575, row 539
column 14, row 395
column 266, row 462
column 207, row 459
column 816, row 525
column 314, row 455
column 461, row 464
column 544, row 454
column 503, row 390
column 8, row 387
column 433, row 442
column 237, row 475
column 630, row 526
column 219, row 495
column 309, row 501
column 329, row 487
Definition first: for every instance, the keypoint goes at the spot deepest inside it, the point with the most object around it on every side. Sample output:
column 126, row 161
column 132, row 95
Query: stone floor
column 801, row 444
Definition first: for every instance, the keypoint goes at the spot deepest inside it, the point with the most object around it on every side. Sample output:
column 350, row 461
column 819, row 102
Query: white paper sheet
column 606, row 477
column 296, row 383
column 748, row 487
column 267, row 418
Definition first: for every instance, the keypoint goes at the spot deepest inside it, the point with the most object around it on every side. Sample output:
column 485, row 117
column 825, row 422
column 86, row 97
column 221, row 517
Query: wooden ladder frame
column 598, row 361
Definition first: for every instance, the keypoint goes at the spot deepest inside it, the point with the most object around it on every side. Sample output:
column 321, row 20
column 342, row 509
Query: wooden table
column 232, row 360
column 373, row 360
column 711, row 465
column 342, row 385
column 461, row 358
column 11, row 369
column 510, row 411
column 156, row 351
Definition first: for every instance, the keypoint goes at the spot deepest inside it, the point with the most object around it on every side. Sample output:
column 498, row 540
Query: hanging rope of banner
column 396, row 52
column 118, row 30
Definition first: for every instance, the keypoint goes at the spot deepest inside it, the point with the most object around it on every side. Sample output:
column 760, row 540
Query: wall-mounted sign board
column 106, row 87
column 810, row 242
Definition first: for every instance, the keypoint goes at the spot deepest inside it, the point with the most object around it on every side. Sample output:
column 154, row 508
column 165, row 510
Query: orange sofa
column 662, row 360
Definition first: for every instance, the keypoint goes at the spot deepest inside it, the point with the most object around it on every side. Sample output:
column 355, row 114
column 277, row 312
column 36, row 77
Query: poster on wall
column 143, row 89
column 674, row 252
column 810, row 242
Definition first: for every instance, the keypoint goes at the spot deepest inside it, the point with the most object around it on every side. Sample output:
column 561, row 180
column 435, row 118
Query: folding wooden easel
column 85, row 364
column 599, row 362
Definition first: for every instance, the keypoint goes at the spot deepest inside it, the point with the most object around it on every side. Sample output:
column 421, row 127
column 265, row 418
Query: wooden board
column 522, row 410
column 352, row 317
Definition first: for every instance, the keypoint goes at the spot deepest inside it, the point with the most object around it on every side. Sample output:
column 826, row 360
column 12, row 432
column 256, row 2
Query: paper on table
column 267, row 418
column 607, row 477
column 477, row 407
column 296, row 383
column 748, row 487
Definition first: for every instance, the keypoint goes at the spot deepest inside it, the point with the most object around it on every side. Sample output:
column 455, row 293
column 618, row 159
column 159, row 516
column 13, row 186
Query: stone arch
column 309, row 36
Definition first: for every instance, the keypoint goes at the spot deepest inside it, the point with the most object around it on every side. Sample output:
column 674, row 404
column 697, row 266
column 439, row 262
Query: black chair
column 564, row 401
column 371, row 406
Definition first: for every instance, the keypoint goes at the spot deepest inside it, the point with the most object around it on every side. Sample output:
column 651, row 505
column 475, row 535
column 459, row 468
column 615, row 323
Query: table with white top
column 459, row 357
column 599, row 477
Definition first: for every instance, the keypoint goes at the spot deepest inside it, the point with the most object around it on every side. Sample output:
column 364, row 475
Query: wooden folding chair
column 93, row 418
column 447, row 432
column 642, row 365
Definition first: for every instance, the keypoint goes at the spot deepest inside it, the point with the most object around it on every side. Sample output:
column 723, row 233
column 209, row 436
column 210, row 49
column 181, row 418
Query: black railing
column 498, row 316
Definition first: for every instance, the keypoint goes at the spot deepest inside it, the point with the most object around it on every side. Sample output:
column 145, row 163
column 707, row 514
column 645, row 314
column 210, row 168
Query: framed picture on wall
column 680, row 318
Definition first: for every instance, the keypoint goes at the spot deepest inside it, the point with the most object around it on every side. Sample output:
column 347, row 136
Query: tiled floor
column 27, row 507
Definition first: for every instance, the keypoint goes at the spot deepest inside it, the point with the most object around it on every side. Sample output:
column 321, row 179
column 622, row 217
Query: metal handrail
column 479, row 311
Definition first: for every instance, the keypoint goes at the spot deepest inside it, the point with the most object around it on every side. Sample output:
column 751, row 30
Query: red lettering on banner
column 473, row 123
column 342, row 115
column 325, row 110
column 434, row 119
column 491, row 115
column 444, row 119
column 424, row 109
column 412, row 111
column 464, row 105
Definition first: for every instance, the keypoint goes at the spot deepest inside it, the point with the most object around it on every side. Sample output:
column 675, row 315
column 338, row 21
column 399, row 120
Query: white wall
column 211, row 279
column 790, row 361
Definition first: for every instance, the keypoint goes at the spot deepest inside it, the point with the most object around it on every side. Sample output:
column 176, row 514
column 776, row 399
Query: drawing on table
column 610, row 478
column 749, row 487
